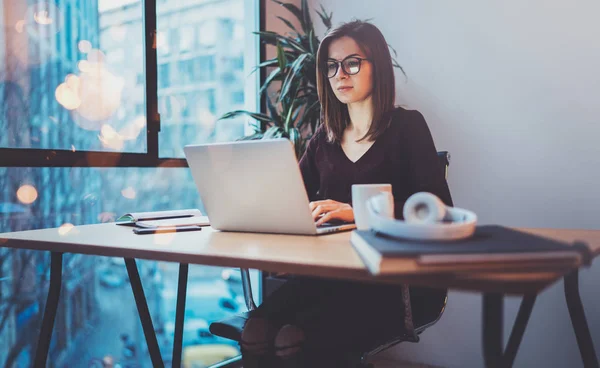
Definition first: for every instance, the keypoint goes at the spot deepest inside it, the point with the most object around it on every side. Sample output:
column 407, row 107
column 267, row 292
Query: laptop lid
column 251, row 186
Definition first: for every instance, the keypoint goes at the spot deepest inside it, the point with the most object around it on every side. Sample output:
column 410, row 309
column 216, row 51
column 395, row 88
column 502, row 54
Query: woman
column 362, row 139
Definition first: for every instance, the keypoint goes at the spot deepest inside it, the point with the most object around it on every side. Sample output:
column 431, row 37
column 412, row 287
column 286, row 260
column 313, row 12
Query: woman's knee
column 257, row 335
column 289, row 341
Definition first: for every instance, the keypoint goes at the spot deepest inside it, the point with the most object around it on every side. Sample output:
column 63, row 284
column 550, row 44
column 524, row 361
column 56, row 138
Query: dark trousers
column 339, row 316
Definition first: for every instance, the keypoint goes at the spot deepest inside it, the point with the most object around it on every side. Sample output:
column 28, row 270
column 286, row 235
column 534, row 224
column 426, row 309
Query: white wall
column 512, row 90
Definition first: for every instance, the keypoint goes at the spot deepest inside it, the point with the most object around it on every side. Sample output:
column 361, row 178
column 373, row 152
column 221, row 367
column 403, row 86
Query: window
column 237, row 97
column 164, row 75
column 73, row 95
column 162, row 42
column 204, row 68
column 186, row 39
column 186, row 71
column 208, row 33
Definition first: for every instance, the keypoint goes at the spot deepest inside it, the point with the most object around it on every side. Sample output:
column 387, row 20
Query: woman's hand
column 328, row 210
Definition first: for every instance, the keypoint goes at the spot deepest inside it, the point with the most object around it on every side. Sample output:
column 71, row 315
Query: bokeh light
column 67, row 97
column 27, row 194
column 100, row 93
column 43, row 19
column 84, row 46
column 110, row 138
column 129, row 193
column 164, row 238
column 107, row 217
column 84, row 66
column 26, row 30
column 207, row 119
column 64, row 229
column 90, row 200
column 20, row 25
column 132, row 130
column 94, row 95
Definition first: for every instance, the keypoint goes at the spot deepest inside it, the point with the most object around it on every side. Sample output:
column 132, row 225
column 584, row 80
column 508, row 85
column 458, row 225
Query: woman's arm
column 424, row 172
column 424, row 166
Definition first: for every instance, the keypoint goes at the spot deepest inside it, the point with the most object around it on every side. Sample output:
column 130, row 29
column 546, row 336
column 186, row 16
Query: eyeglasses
column 350, row 66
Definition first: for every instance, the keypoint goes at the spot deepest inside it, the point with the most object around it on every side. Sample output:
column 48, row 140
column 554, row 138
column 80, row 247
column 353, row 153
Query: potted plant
column 293, row 109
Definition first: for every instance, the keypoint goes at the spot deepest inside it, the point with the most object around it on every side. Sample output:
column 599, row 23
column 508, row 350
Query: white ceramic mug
column 360, row 194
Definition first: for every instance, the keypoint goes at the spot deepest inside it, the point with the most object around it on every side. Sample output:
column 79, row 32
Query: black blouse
column 404, row 156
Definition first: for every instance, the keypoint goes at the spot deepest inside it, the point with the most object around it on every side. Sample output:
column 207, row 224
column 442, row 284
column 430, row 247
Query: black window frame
column 27, row 157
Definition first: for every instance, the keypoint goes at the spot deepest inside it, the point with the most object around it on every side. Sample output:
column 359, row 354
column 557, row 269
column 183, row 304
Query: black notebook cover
column 487, row 239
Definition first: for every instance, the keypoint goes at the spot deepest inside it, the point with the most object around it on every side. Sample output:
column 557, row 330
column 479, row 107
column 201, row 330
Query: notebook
column 164, row 218
column 491, row 248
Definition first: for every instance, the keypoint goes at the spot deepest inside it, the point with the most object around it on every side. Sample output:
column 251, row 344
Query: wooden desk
column 322, row 256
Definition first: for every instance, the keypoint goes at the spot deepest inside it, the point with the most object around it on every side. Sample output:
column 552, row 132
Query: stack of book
column 491, row 248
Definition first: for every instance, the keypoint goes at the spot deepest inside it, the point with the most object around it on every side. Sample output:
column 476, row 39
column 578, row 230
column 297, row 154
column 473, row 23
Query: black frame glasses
column 350, row 65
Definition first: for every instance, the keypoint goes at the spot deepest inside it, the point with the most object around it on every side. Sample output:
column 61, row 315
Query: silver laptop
column 254, row 186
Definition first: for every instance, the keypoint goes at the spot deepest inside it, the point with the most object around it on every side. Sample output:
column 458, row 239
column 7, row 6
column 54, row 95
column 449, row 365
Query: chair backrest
column 431, row 310
column 444, row 161
column 421, row 325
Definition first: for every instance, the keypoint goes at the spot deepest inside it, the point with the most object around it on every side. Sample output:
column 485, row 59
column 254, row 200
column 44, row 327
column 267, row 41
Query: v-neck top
column 403, row 156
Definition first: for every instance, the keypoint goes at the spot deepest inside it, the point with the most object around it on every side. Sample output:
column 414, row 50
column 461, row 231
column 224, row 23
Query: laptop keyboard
column 331, row 223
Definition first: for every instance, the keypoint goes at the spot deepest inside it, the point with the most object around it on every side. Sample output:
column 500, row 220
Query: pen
column 166, row 229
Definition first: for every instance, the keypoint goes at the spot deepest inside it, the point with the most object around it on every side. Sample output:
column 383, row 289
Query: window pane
column 201, row 72
column 97, row 304
column 70, row 78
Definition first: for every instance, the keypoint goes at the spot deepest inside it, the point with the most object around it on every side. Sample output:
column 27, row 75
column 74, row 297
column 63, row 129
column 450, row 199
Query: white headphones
column 426, row 218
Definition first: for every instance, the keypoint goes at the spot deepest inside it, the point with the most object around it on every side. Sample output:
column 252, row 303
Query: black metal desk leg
column 492, row 314
column 518, row 329
column 41, row 352
column 180, row 314
column 582, row 331
column 142, row 307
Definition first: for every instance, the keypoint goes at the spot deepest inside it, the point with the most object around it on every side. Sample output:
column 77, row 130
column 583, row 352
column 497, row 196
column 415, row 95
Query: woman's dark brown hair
column 334, row 114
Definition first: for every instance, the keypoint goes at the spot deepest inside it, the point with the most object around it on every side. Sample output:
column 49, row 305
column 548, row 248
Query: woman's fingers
column 321, row 209
column 315, row 204
column 328, row 209
column 326, row 217
column 339, row 214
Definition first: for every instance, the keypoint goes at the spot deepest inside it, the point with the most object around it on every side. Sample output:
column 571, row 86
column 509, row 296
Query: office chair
column 231, row 328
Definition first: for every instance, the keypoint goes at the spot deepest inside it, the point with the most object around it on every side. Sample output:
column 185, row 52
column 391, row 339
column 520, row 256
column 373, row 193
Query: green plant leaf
column 273, row 132
column 288, row 23
column 308, row 113
column 252, row 137
column 288, row 118
column 273, row 111
column 326, row 19
column 266, row 63
column 292, row 74
column 292, row 108
column 281, row 59
column 275, row 75
column 307, row 22
column 272, row 38
column 293, row 9
column 296, row 139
